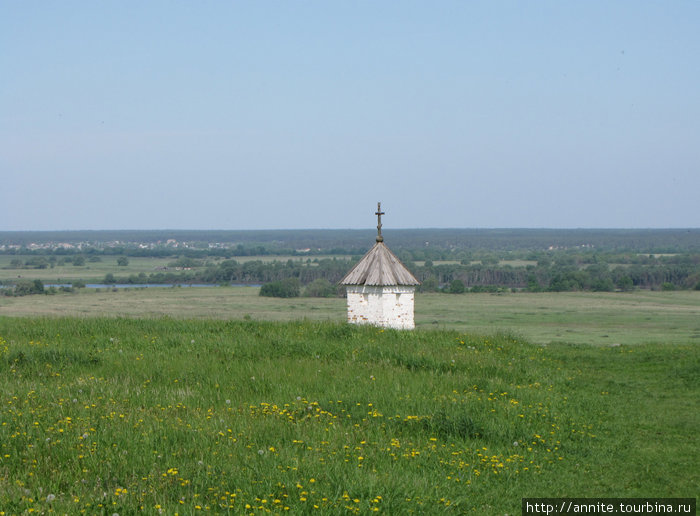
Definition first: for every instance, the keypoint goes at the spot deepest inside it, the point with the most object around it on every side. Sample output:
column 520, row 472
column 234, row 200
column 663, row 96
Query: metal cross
column 379, row 214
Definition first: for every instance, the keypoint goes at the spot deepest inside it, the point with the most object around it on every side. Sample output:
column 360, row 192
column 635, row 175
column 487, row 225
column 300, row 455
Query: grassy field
column 543, row 318
column 119, row 415
column 94, row 272
column 91, row 271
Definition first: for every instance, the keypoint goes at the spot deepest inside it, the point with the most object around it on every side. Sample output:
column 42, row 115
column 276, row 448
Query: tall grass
column 177, row 416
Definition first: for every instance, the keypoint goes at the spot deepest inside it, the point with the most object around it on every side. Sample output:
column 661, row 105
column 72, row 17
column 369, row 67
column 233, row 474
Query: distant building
column 380, row 289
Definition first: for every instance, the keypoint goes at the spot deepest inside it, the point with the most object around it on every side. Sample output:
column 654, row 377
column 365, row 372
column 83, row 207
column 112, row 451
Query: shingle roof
column 379, row 267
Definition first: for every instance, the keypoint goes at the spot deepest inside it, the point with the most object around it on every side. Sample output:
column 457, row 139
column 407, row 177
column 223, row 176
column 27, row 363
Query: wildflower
column 50, row 498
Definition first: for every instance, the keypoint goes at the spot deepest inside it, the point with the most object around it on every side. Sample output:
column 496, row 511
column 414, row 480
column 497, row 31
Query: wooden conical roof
column 379, row 267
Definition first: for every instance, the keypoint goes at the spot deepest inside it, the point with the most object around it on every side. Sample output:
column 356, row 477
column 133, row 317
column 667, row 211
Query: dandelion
column 261, row 452
column 50, row 498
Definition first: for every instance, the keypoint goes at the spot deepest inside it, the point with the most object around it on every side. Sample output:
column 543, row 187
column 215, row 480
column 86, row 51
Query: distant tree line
column 24, row 287
column 555, row 278
column 246, row 273
column 564, row 273
column 319, row 278
column 290, row 287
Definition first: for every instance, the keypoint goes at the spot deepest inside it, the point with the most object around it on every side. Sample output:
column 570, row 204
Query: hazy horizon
column 367, row 229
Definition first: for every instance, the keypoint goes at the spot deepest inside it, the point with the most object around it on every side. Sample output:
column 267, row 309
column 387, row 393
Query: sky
column 123, row 114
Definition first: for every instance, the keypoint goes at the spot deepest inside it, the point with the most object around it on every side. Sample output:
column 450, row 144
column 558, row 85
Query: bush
column 38, row 262
column 288, row 287
column 625, row 283
column 480, row 289
column 320, row 288
column 456, row 287
column 185, row 262
column 430, row 284
column 28, row 287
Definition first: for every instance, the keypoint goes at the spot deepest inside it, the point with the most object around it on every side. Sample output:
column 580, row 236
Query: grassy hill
column 113, row 415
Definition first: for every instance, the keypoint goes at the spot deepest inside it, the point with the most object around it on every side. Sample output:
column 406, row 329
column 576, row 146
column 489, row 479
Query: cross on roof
column 379, row 214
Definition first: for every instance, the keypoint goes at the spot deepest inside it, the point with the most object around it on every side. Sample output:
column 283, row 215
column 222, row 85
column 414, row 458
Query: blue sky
column 302, row 114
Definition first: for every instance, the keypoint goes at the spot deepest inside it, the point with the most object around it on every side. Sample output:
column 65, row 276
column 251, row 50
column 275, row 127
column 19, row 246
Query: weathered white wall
column 387, row 306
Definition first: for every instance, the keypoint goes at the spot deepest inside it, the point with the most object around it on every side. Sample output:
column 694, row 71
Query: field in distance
column 575, row 317
column 95, row 271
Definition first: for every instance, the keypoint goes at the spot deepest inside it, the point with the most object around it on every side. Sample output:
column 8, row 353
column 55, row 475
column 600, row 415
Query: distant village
column 81, row 246
column 118, row 244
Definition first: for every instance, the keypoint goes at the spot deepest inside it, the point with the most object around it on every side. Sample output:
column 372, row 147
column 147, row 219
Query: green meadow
column 598, row 318
column 188, row 400
column 116, row 415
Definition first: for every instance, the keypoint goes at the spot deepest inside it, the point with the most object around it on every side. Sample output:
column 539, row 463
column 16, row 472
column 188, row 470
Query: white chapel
column 380, row 289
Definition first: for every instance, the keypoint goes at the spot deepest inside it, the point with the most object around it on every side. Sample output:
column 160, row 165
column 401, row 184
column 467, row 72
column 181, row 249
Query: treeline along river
column 546, row 275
